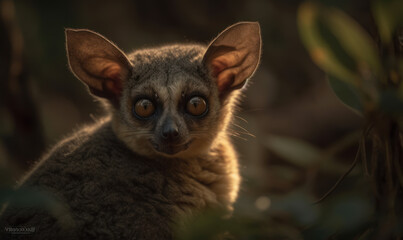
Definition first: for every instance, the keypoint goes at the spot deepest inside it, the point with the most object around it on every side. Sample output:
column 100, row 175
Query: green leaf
column 304, row 154
column 355, row 40
column 346, row 93
column 388, row 15
column 342, row 48
column 296, row 151
column 322, row 51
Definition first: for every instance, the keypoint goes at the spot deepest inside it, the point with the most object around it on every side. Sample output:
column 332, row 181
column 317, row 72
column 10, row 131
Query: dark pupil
column 145, row 104
column 195, row 102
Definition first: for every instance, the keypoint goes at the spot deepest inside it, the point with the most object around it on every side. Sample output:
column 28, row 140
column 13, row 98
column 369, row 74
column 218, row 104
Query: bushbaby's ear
column 233, row 56
column 97, row 62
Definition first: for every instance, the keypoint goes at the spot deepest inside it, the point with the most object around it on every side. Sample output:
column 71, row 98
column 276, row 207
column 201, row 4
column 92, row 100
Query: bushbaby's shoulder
column 89, row 152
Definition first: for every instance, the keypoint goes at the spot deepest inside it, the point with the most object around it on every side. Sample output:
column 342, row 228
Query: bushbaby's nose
column 170, row 132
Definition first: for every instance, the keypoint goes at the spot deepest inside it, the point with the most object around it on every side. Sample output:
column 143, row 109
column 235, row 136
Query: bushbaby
column 162, row 153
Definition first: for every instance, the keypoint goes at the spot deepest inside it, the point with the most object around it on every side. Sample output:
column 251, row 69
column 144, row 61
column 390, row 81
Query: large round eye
column 144, row 108
column 196, row 106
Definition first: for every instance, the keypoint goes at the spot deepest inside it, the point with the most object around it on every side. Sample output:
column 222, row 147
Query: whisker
column 246, row 132
column 241, row 118
column 238, row 136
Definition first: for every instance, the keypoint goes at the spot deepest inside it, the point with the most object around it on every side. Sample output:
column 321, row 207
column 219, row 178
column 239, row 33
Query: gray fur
column 112, row 180
column 114, row 193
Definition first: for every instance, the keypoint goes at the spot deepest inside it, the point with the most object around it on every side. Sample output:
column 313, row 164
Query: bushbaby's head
column 171, row 101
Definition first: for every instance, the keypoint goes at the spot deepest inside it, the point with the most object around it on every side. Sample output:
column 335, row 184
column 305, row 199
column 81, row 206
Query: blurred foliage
column 303, row 154
column 388, row 16
column 343, row 49
column 289, row 216
column 19, row 124
column 296, row 214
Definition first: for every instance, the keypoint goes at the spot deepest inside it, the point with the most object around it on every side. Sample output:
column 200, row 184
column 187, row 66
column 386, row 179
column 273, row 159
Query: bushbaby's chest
column 186, row 191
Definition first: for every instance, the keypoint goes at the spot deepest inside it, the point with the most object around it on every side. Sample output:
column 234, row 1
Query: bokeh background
column 289, row 97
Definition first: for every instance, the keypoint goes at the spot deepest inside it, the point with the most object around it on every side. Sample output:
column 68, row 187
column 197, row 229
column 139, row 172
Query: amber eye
column 196, row 106
column 144, row 108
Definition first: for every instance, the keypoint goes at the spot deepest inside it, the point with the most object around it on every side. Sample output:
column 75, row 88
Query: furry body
column 131, row 176
column 113, row 193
